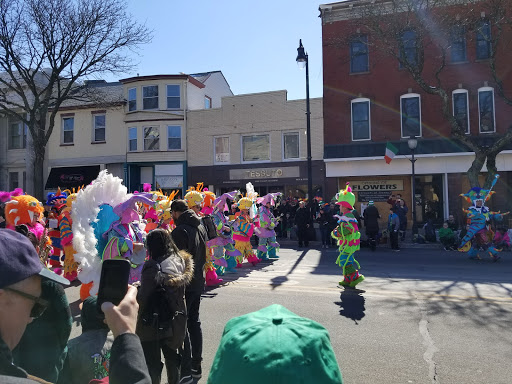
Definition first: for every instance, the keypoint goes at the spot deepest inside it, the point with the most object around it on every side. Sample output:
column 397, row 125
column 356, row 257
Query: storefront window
column 222, row 150
column 256, row 148
column 291, row 145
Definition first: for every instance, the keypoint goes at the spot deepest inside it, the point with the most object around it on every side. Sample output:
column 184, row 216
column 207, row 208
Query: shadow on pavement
column 352, row 304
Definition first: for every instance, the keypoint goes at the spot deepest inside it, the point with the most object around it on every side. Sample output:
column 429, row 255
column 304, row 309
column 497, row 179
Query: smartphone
column 114, row 279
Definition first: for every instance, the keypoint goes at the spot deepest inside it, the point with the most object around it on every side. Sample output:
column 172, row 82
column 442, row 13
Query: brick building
column 369, row 101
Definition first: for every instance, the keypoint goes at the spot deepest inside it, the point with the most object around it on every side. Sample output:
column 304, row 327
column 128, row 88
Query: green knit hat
column 274, row 346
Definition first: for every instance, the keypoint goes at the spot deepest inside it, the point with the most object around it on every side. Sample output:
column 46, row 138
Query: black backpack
column 166, row 311
column 209, row 225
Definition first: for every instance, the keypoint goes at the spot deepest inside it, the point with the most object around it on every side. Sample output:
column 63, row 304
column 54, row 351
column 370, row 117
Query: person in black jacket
column 173, row 269
column 190, row 235
column 371, row 218
column 303, row 220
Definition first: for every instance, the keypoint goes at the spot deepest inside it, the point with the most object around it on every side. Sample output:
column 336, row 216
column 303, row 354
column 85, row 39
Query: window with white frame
column 359, row 54
column 132, row 139
column 360, row 112
column 486, row 110
column 173, row 137
column 483, row 40
column 151, row 138
column 150, row 97
column 14, row 180
column 458, row 43
column 256, row 148
column 173, row 96
column 68, row 129
column 99, row 122
column 409, row 48
column 291, row 146
column 460, row 103
column 17, row 135
column 132, row 99
column 221, row 149
column 410, row 115
column 207, row 102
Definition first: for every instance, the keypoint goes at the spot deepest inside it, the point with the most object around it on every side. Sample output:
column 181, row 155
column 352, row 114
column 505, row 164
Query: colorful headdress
column 220, row 202
column 477, row 193
column 346, row 198
column 269, row 198
column 163, row 207
column 127, row 210
column 194, row 196
column 248, row 201
column 51, row 198
column 20, row 208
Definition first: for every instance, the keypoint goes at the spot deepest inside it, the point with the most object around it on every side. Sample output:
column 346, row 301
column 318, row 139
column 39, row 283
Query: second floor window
column 132, row 99
column 291, row 146
column 14, row 180
column 68, row 128
column 151, row 138
column 150, row 97
column 461, row 108
column 361, row 119
column 483, row 40
column 458, row 44
column 132, row 139
column 222, row 149
column 207, row 102
column 486, row 110
column 256, row 148
column 173, row 96
column 17, row 135
column 410, row 113
column 173, row 137
column 359, row 54
column 408, row 48
column 99, row 128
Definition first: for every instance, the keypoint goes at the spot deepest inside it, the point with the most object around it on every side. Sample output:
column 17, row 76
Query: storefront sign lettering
column 259, row 173
column 378, row 185
column 71, row 178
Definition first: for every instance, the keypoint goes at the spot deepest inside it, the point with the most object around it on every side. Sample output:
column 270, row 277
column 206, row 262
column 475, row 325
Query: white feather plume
column 106, row 189
column 251, row 193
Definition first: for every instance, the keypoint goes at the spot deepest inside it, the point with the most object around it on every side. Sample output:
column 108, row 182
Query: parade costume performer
column 66, row 238
column 211, row 277
column 268, row 245
column 347, row 234
column 150, row 211
column 163, row 208
column 93, row 216
column 244, row 227
column 224, row 252
column 56, row 202
column 479, row 235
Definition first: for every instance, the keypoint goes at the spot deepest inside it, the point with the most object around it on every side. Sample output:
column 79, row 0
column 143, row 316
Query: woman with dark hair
column 164, row 275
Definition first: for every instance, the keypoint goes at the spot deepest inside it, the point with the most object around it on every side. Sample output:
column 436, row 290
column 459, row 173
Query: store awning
column 71, row 177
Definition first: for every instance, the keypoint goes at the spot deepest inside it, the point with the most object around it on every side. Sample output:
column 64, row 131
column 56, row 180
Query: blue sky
column 253, row 43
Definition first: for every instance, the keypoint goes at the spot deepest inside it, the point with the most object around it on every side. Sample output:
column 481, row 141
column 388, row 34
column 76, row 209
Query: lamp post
column 302, row 61
column 413, row 143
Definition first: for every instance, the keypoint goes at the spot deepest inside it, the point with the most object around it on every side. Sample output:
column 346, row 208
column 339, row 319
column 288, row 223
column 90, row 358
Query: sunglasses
column 39, row 307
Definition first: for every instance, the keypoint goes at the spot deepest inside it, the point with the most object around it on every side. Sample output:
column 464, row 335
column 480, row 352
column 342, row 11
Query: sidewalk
column 407, row 244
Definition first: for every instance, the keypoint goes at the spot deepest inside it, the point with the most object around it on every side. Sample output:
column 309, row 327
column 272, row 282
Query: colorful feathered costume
column 56, row 202
column 224, row 252
column 480, row 235
column 268, row 245
column 66, row 238
column 347, row 234
column 211, row 276
column 244, row 227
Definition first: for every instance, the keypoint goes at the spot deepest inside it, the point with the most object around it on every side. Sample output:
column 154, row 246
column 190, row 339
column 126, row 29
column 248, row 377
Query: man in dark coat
column 190, row 235
column 371, row 218
column 303, row 220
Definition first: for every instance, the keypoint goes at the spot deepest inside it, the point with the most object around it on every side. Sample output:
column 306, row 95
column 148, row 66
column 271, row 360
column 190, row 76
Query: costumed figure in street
column 244, row 227
column 66, row 238
column 56, row 202
column 347, row 235
column 211, row 275
column 268, row 245
column 163, row 208
column 105, row 225
column 224, row 252
column 149, row 212
column 194, row 198
column 479, row 235
column 24, row 209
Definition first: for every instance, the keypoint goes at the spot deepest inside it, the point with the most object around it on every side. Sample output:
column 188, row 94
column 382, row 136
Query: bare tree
column 420, row 32
column 47, row 48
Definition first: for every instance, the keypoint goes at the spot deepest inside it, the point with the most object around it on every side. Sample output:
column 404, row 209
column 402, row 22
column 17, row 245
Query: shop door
column 430, row 199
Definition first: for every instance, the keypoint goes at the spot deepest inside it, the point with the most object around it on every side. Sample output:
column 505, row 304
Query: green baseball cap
column 274, row 346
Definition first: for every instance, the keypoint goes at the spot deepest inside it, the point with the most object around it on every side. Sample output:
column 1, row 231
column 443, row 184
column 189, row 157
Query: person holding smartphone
column 21, row 273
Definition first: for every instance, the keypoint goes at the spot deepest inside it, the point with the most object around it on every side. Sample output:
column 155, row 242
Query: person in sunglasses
column 21, row 273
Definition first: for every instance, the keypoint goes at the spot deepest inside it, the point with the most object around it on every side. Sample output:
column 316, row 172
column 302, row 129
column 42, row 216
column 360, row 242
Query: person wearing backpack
column 161, row 325
column 190, row 235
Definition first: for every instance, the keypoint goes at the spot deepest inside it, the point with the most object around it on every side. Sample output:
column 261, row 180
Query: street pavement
column 423, row 315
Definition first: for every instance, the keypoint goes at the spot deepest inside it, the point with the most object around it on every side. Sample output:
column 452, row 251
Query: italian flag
column 391, row 151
